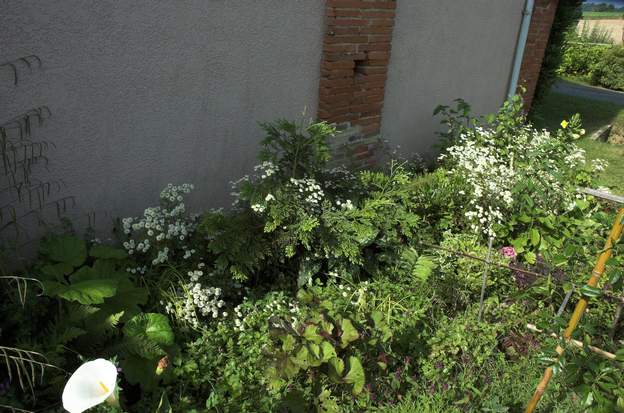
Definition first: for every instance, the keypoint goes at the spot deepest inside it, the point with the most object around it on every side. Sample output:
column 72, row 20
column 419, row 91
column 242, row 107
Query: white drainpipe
column 527, row 15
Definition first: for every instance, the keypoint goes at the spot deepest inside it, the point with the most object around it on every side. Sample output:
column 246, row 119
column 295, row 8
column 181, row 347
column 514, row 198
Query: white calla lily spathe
column 91, row 384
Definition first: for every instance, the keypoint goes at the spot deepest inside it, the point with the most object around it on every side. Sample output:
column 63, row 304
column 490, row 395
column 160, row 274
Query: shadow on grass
column 556, row 107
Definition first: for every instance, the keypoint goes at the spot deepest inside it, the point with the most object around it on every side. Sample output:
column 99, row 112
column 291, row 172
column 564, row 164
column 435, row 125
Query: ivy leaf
column 327, row 350
column 89, row 291
column 349, row 333
column 107, row 252
column 355, row 375
column 65, row 248
column 336, row 368
column 535, row 237
column 301, row 358
column 288, row 343
column 311, row 334
column 520, row 242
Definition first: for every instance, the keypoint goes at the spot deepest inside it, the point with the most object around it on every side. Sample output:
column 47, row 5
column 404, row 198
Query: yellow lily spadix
column 91, row 384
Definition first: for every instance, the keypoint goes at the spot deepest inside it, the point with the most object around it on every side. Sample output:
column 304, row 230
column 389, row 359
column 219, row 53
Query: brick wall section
column 539, row 32
column 356, row 52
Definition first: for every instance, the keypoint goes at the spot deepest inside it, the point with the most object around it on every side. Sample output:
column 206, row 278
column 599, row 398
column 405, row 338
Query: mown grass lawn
column 593, row 15
column 555, row 107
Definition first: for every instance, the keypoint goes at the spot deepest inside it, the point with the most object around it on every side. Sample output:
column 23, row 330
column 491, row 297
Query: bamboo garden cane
column 599, row 268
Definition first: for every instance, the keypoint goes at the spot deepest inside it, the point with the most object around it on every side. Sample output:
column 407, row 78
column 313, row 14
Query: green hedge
column 609, row 70
column 581, row 59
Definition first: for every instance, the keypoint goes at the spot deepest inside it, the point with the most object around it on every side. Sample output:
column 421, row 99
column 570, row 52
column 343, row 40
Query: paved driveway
column 589, row 92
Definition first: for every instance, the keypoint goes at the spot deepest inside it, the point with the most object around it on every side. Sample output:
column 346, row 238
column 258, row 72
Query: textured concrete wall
column 443, row 50
column 148, row 92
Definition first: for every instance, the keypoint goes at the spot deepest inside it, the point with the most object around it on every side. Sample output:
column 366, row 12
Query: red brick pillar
column 539, row 32
column 356, row 52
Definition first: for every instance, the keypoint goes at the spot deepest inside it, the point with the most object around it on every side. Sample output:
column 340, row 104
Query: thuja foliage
column 327, row 290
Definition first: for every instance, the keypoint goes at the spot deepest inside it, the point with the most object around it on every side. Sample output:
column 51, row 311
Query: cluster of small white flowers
column 137, row 270
column 161, row 225
column 489, row 178
column 198, row 300
column 357, row 295
column 279, row 306
column 259, row 208
column 266, row 169
column 491, row 172
column 309, row 189
column 348, row 205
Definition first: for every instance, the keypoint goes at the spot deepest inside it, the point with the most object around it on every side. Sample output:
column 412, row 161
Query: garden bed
column 329, row 290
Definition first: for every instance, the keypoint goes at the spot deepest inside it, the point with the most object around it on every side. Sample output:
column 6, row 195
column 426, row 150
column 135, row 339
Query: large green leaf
column 65, row 248
column 355, row 375
column 107, row 252
column 147, row 333
column 89, row 291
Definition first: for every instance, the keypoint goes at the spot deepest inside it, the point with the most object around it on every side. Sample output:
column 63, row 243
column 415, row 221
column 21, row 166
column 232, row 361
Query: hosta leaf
column 355, row 375
column 65, row 248
column 89, row 291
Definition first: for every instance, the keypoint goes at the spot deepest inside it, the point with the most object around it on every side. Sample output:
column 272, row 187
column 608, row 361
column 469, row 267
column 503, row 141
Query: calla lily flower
column 93, row 383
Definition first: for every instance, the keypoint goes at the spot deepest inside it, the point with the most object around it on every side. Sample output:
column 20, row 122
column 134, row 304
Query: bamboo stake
column 581, row 306
column 616, row 320
column 576, row 343
column 484, row 278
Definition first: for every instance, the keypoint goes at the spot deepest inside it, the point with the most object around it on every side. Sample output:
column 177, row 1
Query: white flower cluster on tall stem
column 196, row 302
column 309, row 190
column 490, row 179
column 266, row 169
column 162, row 230
column 494, row 168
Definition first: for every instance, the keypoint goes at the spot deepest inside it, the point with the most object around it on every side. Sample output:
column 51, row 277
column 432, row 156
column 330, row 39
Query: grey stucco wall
column 149, row 92
column 443, row 50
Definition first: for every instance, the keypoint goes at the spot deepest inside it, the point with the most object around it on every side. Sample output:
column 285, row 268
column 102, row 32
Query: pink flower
column 509, row 252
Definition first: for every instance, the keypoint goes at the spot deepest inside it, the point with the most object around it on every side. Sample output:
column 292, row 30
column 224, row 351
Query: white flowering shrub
column 163, row 232
column 194, row 302
column 507, row 164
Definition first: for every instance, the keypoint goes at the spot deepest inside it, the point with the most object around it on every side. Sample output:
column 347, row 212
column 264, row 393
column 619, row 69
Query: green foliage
column 325, row 290
column 566, row 18
column 461, row 351
column 582, row 59
column 609, row 71
column 298, row 149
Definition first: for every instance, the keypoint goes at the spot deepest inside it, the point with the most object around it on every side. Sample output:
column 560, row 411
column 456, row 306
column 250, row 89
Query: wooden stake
column 576, row 343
